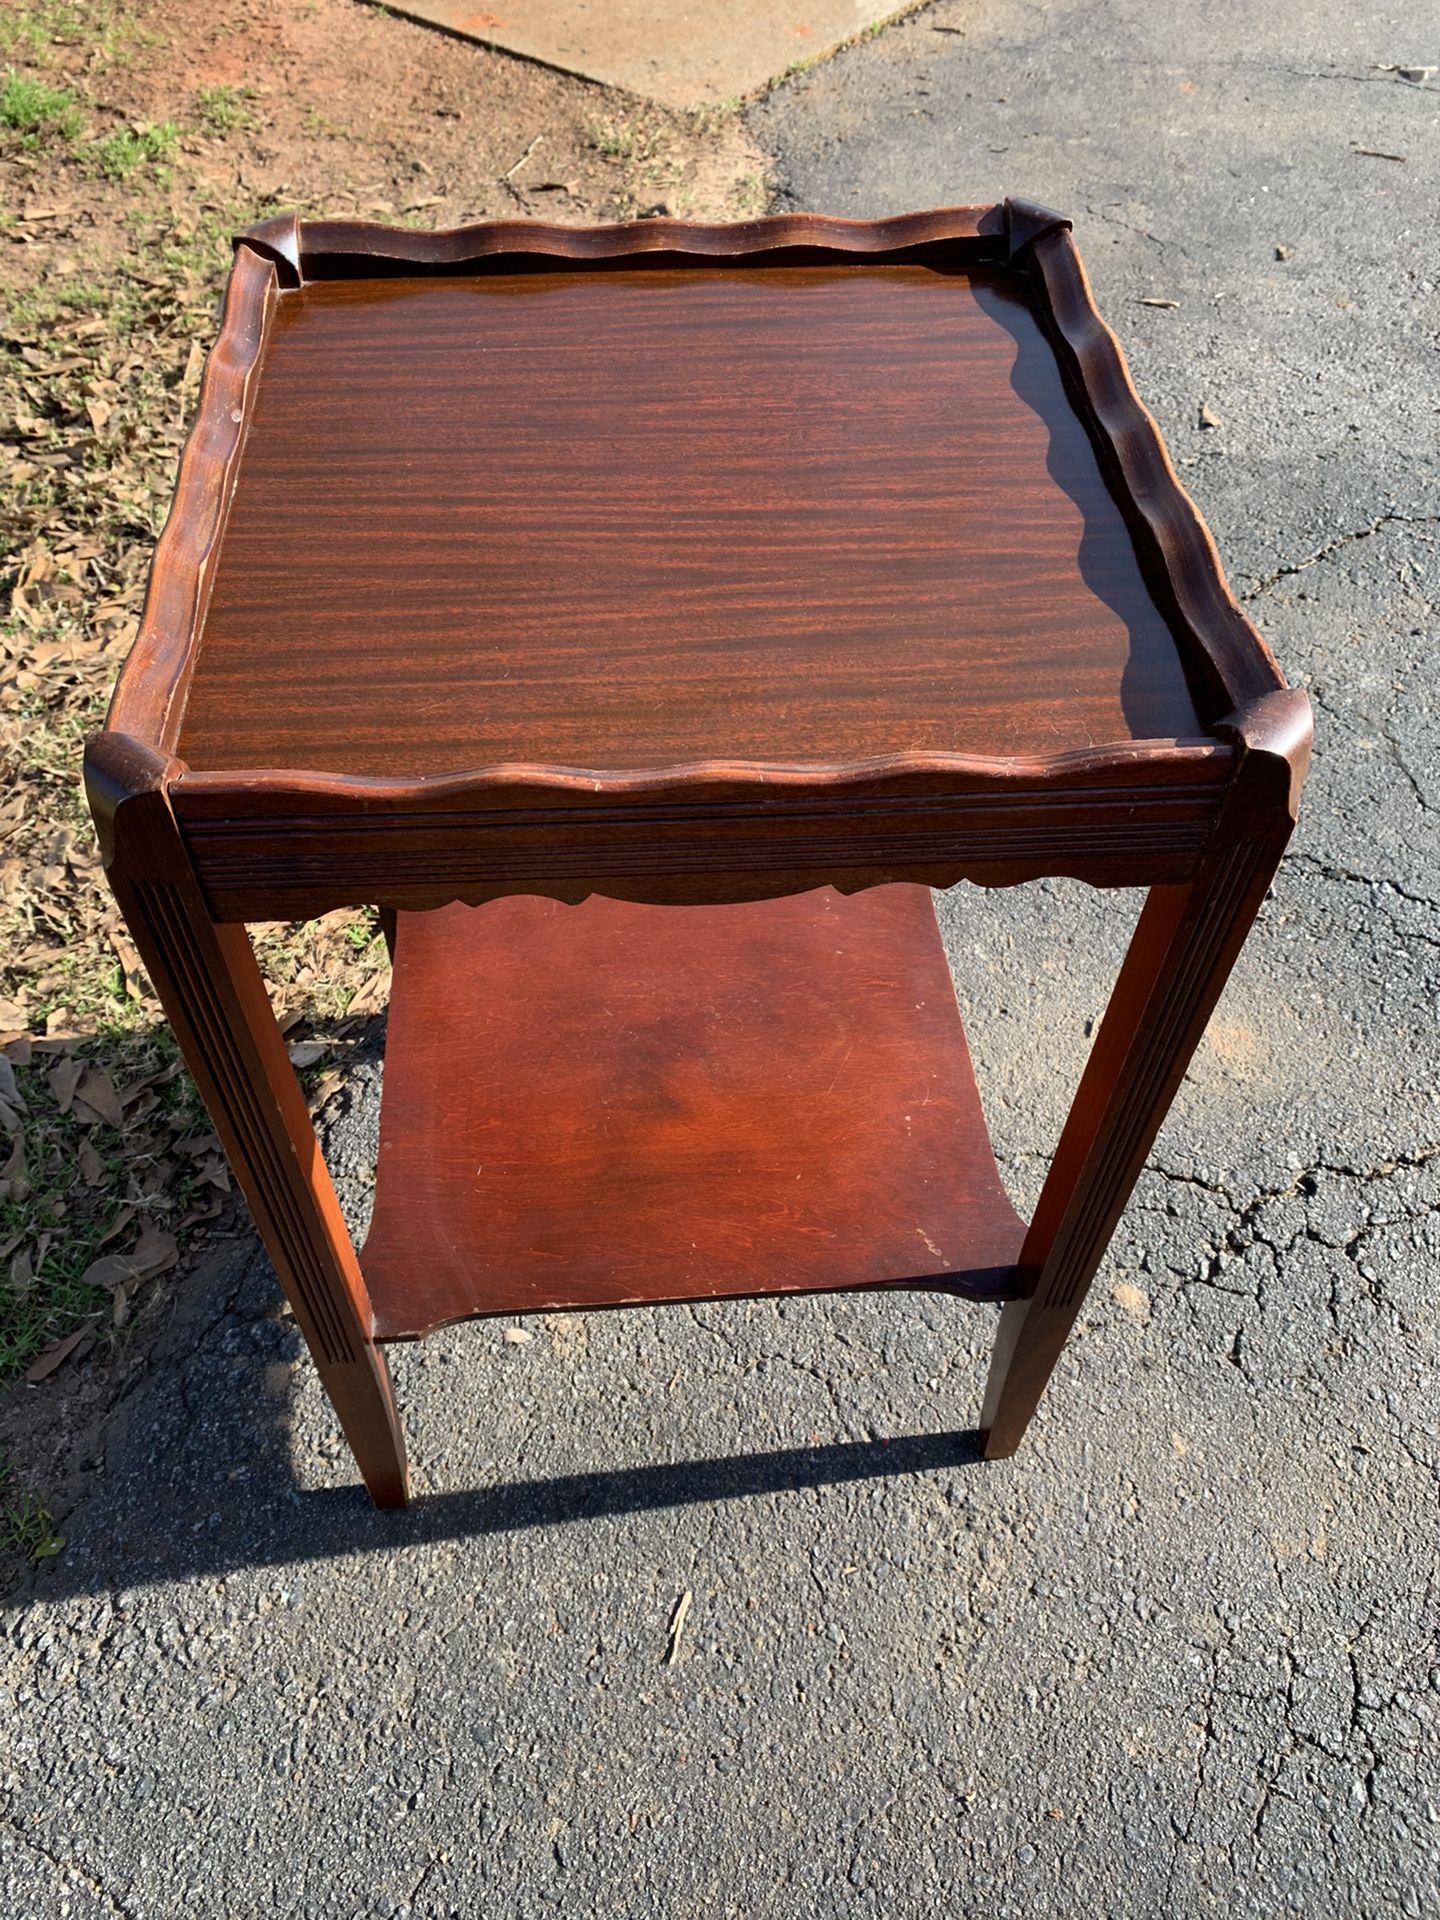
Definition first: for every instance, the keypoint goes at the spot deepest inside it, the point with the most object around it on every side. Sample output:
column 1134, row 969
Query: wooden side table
column 643, row 617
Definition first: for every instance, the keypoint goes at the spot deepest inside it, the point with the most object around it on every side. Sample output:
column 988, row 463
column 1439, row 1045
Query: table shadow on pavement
column 199, row 1476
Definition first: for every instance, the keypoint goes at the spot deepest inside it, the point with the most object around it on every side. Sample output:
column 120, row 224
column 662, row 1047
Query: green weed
column 27, row 1527
column 31, row 30
column 222, row 109
column 36, row 112
column 131, row 150
column 614, row 138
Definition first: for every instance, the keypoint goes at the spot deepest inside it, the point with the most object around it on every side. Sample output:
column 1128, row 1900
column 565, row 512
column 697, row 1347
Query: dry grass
column 135, row 137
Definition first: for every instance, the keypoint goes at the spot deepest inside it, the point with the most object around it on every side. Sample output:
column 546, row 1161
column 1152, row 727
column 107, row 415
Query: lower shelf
column 610, row 1105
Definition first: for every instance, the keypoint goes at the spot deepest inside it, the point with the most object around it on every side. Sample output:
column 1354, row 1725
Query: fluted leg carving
column 1185, row 944
column 212, row 991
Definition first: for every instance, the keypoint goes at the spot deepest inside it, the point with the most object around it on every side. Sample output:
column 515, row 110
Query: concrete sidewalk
column 1179, row 1656
column 681, row 53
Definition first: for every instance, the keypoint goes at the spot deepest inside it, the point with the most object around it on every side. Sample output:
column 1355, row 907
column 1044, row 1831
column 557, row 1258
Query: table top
column 619, row 520
column 680, row 563
column 803, row 494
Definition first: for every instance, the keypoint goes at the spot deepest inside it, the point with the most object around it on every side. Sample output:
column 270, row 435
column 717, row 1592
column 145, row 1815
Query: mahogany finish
column 291, row 845
column 212, row 991
column 611, row 520
column 610, row 1104
column 1179, row 959
column 693, row 566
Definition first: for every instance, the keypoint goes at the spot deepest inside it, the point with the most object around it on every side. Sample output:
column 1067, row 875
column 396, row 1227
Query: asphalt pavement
column 1179, row 1656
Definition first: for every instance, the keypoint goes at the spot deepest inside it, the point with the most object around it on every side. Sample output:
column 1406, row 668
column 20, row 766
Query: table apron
column 295, row 866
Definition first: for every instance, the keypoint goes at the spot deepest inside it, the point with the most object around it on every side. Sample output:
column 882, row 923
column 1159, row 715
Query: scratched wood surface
column 607, row 1104
column 627, row 519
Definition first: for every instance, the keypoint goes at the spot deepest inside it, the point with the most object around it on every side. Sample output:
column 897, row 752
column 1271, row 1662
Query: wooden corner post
column 1185, row 944
column 212, row 991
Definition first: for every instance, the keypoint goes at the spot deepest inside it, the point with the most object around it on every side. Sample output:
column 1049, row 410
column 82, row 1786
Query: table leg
column 387, row 927
column 212, row 990
column 1184, row 946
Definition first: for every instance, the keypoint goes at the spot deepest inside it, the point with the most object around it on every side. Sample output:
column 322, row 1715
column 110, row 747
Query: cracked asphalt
column 1180, row 1655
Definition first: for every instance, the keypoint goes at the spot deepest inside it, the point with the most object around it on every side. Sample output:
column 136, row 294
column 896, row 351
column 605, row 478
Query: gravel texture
column 1178, row 1656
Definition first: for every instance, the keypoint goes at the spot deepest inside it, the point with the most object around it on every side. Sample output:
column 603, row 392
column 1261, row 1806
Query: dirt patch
column 340, row 106
column 135, row 136
column 1240, row 1049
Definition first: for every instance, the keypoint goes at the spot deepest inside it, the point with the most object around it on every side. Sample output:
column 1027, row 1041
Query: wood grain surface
column 640, row 518
column 673, row 563
column 152, row 690
column 614, row 1104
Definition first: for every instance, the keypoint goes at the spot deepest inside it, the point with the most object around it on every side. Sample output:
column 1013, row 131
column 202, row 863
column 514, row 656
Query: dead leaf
column 95, row 1098
column 110, row 1270
column 92, row 1167
column 15, row 1174
column 517, row 1336
column 1207, row 418
column 131, row 965
column 1284, row 253
column 120, row 1308
column 325, row 1089
column 306, row 1052
column 117, row 1225
column 63, row 1078
column 372, row 996
column 9, row 1092
column 1157, row 302
column 196, row 1146
column 208, row 1209
column 22, row 1273
column 44, row 1364
column 154, row 1252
